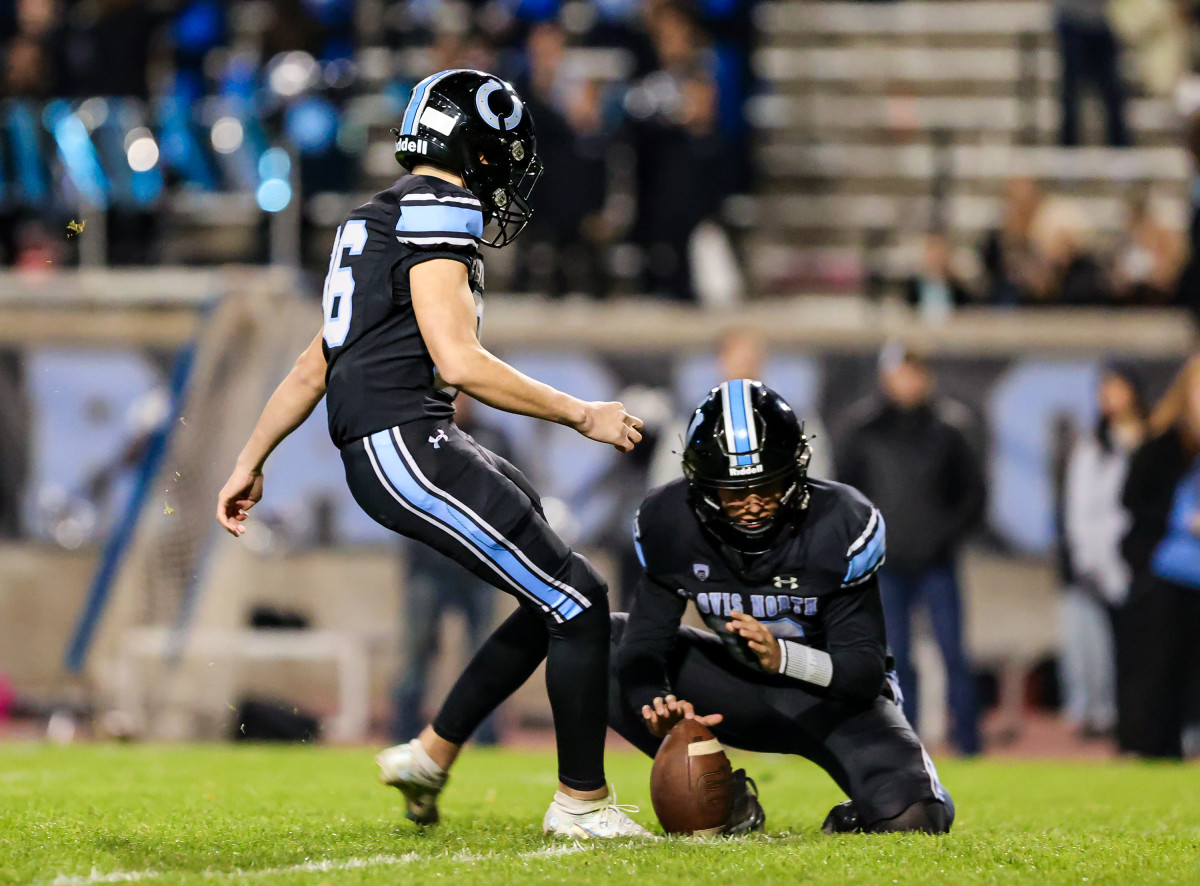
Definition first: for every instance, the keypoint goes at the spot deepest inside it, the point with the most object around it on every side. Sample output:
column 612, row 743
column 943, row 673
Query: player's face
column 752, row 507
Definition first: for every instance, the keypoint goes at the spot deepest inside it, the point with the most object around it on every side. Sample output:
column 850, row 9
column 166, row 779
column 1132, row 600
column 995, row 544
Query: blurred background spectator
column 1074, row 274
column 1097, row 577
column 629, row 478
column 1013, row 267
column 1089, row 55
column 1159, row 702
column 1155, row 35
column 564, row 248
column 1148, row 259
column 906, row 451
column 683, row 160
column 1048, row 252
column 936, row 289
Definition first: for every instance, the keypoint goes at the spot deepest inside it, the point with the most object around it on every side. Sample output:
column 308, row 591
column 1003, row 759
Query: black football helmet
column 474, row 124
column 745, row 437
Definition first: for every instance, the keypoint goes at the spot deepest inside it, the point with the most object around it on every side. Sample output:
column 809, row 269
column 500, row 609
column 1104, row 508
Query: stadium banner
column 1019, row 406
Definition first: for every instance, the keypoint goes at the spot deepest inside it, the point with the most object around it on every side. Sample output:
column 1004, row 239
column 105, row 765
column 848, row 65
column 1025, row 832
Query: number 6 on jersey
column 337, row 297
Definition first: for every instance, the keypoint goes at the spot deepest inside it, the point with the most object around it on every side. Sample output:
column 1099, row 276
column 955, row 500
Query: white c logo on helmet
column 507, row 124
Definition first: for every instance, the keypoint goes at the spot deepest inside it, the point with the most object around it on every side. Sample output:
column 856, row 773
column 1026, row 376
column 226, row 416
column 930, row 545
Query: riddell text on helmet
column 416, row 145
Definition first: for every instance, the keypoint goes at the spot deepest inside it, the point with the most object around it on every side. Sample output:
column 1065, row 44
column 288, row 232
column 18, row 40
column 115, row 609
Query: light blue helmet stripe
column 408, row 127
column 440, row 219
column 416, row 104
column 736, row 404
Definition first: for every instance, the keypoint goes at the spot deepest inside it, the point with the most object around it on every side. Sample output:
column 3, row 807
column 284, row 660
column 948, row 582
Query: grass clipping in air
column 94, row 814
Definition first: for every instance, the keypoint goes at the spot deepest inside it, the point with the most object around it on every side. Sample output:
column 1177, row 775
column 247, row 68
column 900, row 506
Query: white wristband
column 802, row 662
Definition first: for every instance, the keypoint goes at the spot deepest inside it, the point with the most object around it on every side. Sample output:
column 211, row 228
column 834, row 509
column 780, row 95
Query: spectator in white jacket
column 1094, row 523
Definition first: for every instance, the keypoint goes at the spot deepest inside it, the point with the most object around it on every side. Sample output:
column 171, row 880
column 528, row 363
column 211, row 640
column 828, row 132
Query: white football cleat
column 420, row 787
column 595, row 820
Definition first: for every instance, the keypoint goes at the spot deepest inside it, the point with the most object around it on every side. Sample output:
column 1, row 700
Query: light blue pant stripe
column 501, row 557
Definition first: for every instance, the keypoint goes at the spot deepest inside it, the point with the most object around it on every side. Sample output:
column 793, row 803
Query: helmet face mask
column 475, row 125
column 746, row 462
column 510, row 208
column 752, row 507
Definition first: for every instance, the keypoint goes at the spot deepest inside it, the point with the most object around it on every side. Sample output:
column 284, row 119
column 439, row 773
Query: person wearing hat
column 1094, row 522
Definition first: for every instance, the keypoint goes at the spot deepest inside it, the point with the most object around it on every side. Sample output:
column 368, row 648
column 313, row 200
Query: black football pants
column 871, row 752
column 429, row 481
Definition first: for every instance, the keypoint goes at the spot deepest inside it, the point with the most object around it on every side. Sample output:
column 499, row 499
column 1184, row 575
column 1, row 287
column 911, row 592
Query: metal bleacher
column 880, row 114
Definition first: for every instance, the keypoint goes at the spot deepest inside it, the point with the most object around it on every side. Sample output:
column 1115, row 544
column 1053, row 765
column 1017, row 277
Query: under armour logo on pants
column 437, row 441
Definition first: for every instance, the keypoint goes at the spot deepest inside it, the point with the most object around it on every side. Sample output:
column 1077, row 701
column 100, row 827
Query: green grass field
column 308, row 815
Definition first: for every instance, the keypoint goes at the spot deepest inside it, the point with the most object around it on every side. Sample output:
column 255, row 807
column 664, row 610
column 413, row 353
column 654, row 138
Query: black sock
column 501, row 666
column 576, row 679
column 577, row 683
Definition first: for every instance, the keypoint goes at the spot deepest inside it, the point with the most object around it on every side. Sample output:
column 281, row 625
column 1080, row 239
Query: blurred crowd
column 1111, row 49
column 140, row 109
column 639, row 107
column 1045, row 251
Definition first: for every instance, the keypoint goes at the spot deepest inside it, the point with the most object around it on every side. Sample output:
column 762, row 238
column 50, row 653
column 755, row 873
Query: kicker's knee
column 584, row 578
column 590, row 620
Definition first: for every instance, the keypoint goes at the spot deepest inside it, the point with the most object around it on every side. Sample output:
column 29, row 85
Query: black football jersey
column 815, row 563
column 379, row 371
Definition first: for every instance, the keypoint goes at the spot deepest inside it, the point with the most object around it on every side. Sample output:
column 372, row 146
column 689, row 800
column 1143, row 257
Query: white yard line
column 317, row 867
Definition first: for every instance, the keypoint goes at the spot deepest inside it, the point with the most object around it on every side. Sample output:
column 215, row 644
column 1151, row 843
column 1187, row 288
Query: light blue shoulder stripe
column 637, row 541
column 870, row 557
column 417, row 220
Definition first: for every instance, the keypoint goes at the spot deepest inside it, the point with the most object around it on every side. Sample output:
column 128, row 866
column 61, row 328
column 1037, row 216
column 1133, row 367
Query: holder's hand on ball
column 761, row 641
column 662, row 716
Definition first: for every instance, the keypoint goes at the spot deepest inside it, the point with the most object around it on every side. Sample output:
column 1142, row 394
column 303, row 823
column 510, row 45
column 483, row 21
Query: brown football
column 691, row 783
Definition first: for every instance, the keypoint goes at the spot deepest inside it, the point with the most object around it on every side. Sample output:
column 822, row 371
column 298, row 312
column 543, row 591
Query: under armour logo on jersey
column 700, row 570
column 786, row 581
column 437, row 441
